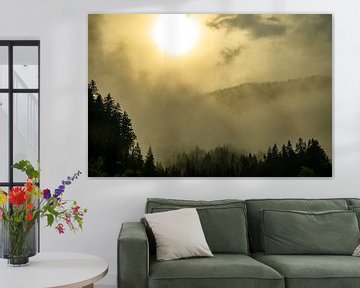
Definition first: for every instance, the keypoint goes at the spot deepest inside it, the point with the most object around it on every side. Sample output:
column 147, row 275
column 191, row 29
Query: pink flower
column 60, row 228
column 68, row 219
column 1, row 213
column 76, row 210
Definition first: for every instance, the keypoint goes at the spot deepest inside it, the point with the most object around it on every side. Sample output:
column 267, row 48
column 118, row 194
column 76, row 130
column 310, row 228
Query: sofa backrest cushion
column 353, row 202
column 354, row 205
column 356, row 209
column 256, row 205
column 298, row 232
column 223, row 221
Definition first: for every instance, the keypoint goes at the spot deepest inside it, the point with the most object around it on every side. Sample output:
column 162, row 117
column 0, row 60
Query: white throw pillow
column 357, row 251
column 178, row 234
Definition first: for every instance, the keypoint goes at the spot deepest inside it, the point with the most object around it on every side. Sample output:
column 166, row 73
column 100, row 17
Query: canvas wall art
column 204, row 95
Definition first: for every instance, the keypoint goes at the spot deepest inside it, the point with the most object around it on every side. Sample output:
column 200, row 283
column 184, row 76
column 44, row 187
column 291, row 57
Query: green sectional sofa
column 245, row 238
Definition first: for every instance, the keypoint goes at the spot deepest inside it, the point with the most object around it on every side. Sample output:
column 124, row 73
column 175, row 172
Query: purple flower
column 46, row 194
column 64, row 183
column 58, row 192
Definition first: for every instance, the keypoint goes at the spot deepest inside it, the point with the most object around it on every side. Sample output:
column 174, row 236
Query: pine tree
column 149, row 166
column 317, row 159
column 126, row 130
column 137, row 161
column 111, row 136
column 300, row 147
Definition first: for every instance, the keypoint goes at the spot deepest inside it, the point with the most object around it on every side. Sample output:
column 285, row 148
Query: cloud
column 307, row 27
column 109, row 65
column 277, row 46
column 229, row 54
column 311, row 28
column 258, row 26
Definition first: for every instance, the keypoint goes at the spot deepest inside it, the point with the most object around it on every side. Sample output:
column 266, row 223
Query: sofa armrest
column 133, row 256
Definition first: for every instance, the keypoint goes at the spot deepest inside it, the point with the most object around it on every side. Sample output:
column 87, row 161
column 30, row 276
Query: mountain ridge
column 289, row 81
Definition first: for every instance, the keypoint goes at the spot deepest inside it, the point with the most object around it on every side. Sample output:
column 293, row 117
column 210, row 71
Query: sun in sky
column 175, row 34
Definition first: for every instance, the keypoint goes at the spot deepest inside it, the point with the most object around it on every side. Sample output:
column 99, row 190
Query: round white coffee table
column 60, row 270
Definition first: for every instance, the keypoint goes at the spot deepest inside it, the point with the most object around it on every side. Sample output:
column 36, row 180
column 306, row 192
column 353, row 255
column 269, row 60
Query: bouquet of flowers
column 23, row 206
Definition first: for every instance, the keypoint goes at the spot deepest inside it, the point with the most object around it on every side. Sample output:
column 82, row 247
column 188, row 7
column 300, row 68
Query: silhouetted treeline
column 113, row 151
column 307, row 159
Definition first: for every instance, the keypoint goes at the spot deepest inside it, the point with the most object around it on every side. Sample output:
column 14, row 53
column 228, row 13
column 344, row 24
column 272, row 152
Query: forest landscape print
column 205, row 95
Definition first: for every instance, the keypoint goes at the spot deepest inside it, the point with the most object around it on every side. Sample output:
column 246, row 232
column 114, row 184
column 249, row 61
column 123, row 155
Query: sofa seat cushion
column 313, row 271
column 222, row 270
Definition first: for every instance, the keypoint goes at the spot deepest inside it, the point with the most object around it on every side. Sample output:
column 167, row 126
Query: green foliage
column 50, row 219
column 26, row 167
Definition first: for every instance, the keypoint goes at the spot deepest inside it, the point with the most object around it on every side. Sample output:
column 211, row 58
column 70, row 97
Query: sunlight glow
column 175, row 34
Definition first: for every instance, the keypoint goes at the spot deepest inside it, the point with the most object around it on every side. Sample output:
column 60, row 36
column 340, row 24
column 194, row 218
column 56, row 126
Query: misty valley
column 114, row 150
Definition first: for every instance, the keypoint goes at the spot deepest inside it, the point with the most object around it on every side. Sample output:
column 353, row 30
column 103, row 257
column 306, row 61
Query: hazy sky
column 166, row 92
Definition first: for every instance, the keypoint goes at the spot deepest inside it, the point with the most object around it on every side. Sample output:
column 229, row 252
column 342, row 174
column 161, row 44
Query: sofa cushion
column 356, row 209
column 222, row 270
column 313, row 271
column 178, row 234
column 297, row 232
column 254, row 207
column 223, row 221
column 354, row 205
column 353, row 201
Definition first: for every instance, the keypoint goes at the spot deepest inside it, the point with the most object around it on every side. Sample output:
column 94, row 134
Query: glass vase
column 18, row 242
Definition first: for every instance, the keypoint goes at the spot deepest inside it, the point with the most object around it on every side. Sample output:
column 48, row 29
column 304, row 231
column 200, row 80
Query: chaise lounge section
column 233, row 231
column 305, row 271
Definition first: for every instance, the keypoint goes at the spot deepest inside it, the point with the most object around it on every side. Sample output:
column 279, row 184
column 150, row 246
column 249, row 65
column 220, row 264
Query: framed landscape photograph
column 210, row 95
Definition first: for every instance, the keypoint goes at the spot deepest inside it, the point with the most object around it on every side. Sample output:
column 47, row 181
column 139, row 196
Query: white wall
column 62, row 28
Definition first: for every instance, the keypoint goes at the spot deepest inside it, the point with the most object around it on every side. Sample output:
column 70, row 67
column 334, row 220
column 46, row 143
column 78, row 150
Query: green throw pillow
column 299, row 232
